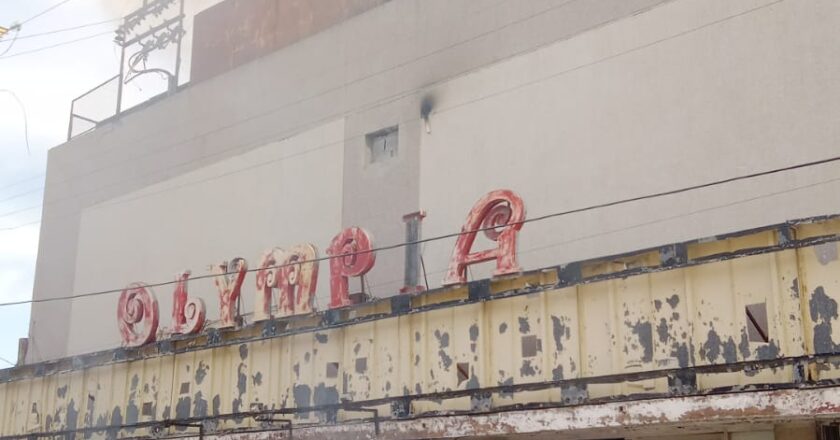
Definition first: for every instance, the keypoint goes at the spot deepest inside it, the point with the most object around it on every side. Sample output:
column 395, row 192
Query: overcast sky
column 45, row 82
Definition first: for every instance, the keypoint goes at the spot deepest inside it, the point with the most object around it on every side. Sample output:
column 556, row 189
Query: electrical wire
column 67, row 29
column 17, row 26
column 52, row 46
column 476, row 230
column 23, row 181
column 22, row 194
column 12, row 43
column 640, row 225
column 25, row 119
column 45, row 11
column 23, row 225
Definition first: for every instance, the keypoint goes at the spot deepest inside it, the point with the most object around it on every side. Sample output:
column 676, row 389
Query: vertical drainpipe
column 413, row 233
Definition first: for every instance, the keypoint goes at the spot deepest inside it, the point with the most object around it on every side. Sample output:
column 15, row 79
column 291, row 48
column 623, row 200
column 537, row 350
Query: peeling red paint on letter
column 266, row 283
column 298, row 280
column 137, row 315
column 229, row 278
column 353, row 256
column 503, row 211
column 188, row 314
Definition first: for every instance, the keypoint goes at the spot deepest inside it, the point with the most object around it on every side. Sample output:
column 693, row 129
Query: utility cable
column 23, row 181
column 25, row 119
column 464, row 232
column 41, row 188
column 67, row 29
column 12, row 43
column 45, row 11
column 645, row 223
column 52, row 46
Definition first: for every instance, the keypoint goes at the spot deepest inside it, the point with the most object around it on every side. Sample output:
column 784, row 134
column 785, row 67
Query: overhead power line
column 22, row 181
column 45, row 11
column 12, row 43
column 17, row 26
column 68, row 29
column 22, row 194
column 52, row 46
column 457, row 234
column 25, row 118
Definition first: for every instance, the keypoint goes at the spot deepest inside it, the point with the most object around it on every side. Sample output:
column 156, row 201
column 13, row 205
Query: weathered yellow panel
column 724, row 309
column 819, row 281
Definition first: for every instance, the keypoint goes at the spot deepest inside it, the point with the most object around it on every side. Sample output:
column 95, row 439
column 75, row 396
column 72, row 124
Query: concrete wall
column 690, row 92
column 236, row 207
column 569, row 103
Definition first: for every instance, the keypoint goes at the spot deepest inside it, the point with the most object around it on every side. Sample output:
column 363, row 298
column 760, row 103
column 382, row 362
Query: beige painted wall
column 690, row 92
column 278, row 195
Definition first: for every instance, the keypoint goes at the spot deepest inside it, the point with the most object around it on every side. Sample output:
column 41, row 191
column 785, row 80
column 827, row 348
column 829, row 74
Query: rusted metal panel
column 234, row 32
column 687, row 319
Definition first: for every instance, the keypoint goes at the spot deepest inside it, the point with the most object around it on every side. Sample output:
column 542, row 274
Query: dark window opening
column 757, row 328
column 463, row 372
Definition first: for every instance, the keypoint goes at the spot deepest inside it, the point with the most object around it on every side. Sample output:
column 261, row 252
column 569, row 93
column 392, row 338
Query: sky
column 36, row 90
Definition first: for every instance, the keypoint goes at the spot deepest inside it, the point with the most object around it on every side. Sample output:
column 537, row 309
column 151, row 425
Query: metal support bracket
column 375, row 413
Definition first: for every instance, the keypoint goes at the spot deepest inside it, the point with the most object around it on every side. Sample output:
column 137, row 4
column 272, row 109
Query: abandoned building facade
column 413, row 219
